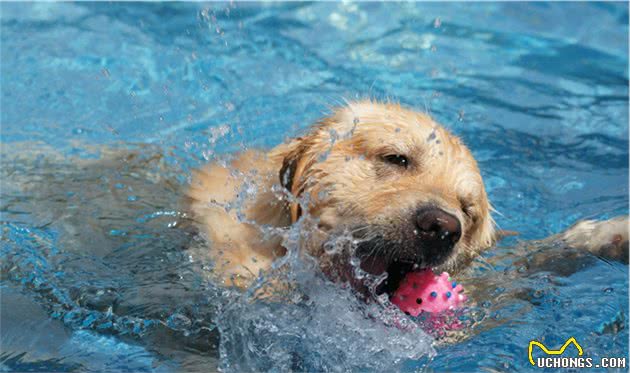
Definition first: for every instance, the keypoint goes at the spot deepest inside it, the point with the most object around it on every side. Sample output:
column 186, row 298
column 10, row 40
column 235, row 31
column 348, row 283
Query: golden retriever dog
column 406, row 192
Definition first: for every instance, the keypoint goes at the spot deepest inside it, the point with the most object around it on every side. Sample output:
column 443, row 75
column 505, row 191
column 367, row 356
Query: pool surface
column 106, row 108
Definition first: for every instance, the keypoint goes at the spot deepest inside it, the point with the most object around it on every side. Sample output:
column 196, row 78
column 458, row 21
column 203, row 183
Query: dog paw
column 608, row 239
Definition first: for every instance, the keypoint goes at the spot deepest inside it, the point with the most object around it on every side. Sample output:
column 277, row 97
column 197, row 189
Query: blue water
column 105, row 108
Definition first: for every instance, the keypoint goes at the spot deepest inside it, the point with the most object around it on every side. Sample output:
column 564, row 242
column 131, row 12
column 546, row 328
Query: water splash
column 315, row 326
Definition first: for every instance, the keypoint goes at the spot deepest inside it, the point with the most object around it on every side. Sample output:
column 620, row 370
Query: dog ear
column 298, row 160
column 289, row 168
column 294, row 165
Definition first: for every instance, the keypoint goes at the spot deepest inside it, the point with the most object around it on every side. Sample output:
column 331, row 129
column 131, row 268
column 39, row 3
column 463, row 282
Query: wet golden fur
column 337, row 174
column 338, row 169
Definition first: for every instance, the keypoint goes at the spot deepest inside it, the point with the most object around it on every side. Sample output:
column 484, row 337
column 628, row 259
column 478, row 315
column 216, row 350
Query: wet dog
column 404, row 190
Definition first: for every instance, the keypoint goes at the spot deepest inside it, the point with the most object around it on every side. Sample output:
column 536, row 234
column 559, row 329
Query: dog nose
column 438, row 228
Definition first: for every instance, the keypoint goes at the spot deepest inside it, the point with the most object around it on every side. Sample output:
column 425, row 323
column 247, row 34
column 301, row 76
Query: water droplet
column 117, row 232
column 359, row 274
column 354, row 261
column 330, row 248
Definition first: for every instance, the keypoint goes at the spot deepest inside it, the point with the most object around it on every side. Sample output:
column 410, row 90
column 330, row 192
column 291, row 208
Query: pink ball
column 424, row 291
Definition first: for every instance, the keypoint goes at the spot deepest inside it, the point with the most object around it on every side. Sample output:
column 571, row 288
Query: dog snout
column 438, row 229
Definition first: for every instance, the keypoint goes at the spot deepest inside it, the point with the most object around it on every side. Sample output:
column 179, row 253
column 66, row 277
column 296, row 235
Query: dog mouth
column 396, row 258
column 396, row 266
column 396, row 272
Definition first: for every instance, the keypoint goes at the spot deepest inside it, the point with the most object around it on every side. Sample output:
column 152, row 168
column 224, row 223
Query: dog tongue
column 424, row 291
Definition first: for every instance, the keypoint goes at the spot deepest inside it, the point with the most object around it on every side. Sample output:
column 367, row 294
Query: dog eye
column 397, row 159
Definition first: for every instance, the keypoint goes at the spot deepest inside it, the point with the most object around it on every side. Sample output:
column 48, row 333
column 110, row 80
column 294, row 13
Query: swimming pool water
column 105, row 108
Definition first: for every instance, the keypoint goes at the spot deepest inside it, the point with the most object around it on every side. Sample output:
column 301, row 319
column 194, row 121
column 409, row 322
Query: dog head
column 407, row 191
